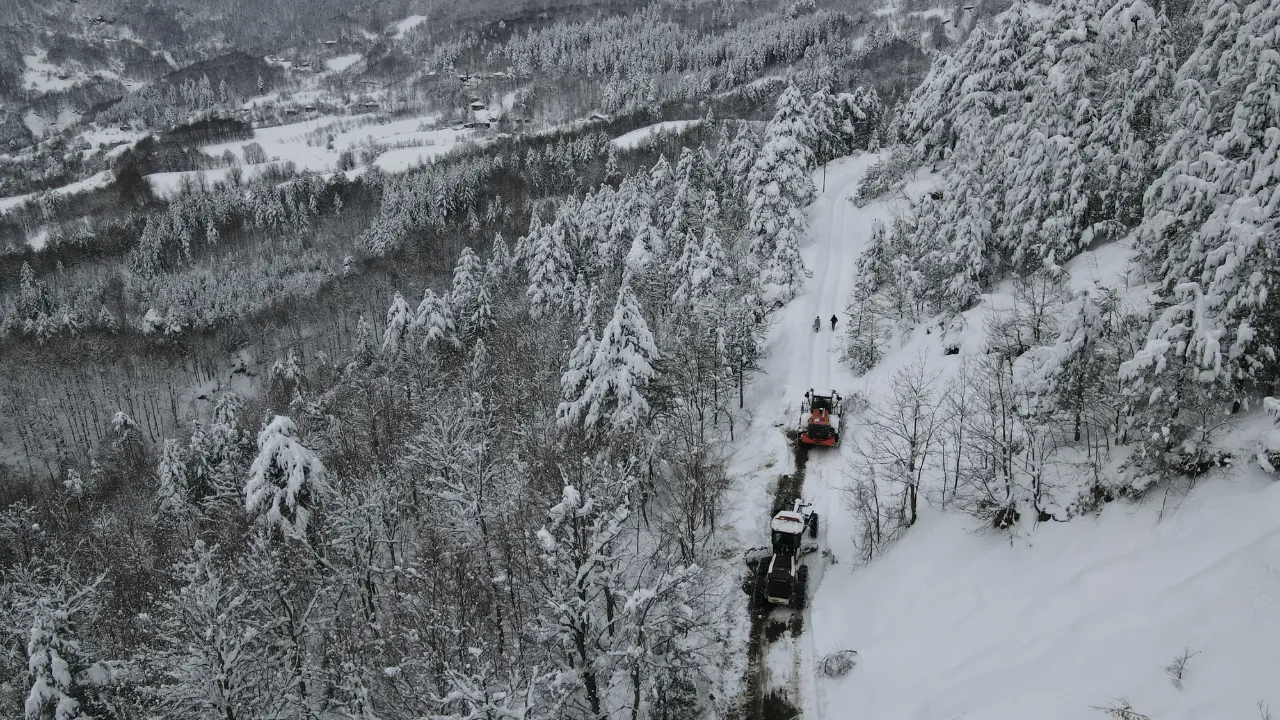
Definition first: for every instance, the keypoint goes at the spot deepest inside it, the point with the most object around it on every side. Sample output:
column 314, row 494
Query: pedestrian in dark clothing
column 833, row 323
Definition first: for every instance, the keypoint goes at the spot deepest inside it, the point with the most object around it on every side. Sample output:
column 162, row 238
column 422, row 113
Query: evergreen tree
column 364, row 351
column 56, row 662
column 606, row 378
column 172, row 493
column 435, row 321
column 551, row 272
column 399, row 324
column 779, row 190
column 286, row 481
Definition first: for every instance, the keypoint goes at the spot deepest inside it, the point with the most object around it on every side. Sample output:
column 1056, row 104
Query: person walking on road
column 833, row 323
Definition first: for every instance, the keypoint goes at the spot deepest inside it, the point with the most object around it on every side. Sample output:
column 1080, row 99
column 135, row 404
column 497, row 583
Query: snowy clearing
column 42, row 76
column 39, row 240
column 342, row 62
column 402, row 159
column 639, row 136
column 955, row 621
column 409, row 23
column 406, row 143
column 39, row 126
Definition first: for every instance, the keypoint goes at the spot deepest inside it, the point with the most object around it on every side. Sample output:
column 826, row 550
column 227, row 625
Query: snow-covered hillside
column 1051, row 620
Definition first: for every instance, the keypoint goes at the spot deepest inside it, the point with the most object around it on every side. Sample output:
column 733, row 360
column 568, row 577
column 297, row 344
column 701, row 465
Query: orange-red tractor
column 821, row 418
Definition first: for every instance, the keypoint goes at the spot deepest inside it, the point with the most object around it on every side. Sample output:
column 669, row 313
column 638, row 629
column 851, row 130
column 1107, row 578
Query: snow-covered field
column 639, row 136
column 289, row 143
column 40, row 126
column 409, row 23
column 957, row 622
column 43, row 76
column 342, row 62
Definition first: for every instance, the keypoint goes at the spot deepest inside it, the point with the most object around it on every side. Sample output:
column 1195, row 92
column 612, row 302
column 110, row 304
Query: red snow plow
column 821, row 418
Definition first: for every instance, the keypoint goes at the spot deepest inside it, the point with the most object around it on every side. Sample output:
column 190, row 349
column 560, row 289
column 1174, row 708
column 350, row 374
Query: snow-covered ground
column 43, row 76
column 422, row 142
column 342, row 62
column 409, row 23
column 39, row 125
column 639, row 136
column 93, row 182
column 957, row 622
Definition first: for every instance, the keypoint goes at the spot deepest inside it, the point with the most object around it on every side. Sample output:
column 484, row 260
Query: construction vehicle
column 821, row 418
column 787, row 579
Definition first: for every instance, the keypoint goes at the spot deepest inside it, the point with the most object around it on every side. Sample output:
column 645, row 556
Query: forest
column 453, row 441
column 496, row 495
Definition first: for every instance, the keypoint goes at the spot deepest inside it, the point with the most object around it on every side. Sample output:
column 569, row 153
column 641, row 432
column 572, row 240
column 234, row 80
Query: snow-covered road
column 957, row 622
column 798, row 359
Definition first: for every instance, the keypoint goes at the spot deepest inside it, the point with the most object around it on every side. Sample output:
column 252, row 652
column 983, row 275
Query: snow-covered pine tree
column 1070, row 376
column 172, row 493
column 400, row 320
column 858, row 119
column 287, row 482
column 779, row 190
column 364, row 351
column 682, row 271
column 434, row 321
column 824, row 118
column 468, row 276
column 550, row 270
column 741, row 158
column 864, row 333
column 56, row 664
column 1207, row 224
column 286, row 376
column 606, row 378
column 792, row 117
column 611, row 173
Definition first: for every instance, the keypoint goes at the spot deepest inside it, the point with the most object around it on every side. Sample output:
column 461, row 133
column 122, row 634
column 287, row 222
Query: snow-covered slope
column 958, row 622
column 954, row 623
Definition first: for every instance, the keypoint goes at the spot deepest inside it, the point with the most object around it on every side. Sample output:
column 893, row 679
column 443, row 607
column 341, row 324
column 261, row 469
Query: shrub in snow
column 838, row 664
column 885, row 175
column 1268, row 448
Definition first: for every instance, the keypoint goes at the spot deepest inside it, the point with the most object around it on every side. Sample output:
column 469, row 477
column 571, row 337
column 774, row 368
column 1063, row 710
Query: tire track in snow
column 787, row 690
